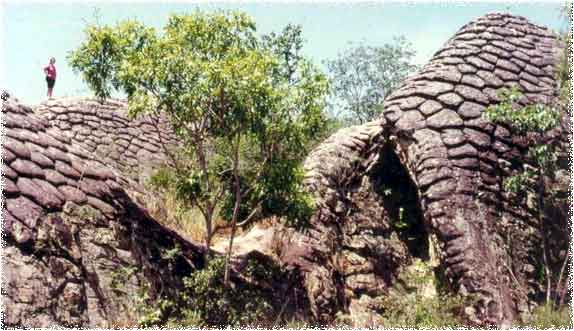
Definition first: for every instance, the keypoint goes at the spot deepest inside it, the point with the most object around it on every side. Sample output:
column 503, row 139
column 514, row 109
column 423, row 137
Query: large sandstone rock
column 450, row 163
column 134, row 146
column 78, row 250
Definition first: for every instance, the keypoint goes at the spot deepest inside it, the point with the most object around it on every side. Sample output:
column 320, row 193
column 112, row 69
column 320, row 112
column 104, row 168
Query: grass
column 549, row 317
column 415, row 311
column 416, row 301
column 187, row 222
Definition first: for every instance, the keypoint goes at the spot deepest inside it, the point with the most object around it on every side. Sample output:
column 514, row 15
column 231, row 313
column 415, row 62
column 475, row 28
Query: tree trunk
column 561, row 289
column 547, row 269
column 208, row 235
column 208, row 212
column 235, row 211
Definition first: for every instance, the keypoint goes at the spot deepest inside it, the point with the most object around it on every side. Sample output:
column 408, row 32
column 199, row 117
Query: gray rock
column 453, row 160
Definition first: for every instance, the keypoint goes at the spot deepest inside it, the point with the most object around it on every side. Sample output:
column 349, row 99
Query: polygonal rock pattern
column 79, row 252
column 133, row 146
column 457, row 160
column 78, row 249
column 346, row 203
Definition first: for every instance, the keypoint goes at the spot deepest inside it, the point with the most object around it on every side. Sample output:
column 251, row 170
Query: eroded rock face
column 456, row 161
column 79, row 251
column 133, row 146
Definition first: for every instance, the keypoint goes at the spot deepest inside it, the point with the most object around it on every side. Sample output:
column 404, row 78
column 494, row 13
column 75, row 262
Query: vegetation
column 211, row 304
column 363, row 76
column 549, row 317
column 244, row 108
column 532, row 118
column 532, row 122
column 417, row 300
column 165, row 205
column 205, row 301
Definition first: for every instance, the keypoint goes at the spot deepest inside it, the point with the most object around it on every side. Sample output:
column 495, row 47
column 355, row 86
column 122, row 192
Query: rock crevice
column 455, row 159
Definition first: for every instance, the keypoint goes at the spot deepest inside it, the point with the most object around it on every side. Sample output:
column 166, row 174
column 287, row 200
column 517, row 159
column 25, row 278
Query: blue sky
column 32, row 32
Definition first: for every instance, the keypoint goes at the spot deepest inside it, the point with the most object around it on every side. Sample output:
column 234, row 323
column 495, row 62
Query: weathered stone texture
column 455, row 159
column 78, row 250
column 133, row 146
column 72, row 230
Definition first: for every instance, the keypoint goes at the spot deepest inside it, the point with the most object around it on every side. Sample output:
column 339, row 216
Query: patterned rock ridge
column 133, row 146
column 433, row 138
column 352, row 253
column 79, row 251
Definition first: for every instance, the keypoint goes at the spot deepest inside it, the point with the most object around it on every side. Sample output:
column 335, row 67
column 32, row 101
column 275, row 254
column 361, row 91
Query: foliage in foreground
column 211, row 304
column 417, row 300
column 244, row 108
column 549, row 317
column 536, row 118
column 164, row 205
column 539, row 170
column 206, row 302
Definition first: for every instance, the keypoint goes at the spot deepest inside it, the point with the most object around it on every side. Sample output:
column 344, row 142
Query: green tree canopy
column 362, row 76
column 244, row 107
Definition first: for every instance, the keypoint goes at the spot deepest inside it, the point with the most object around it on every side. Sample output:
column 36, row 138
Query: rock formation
column 133, row 146
column 448, row 163
column 424, row 181
column 78, row 250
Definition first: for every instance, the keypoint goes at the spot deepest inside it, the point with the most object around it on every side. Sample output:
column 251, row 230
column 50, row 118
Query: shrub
column 414, row 302
column 209, row 303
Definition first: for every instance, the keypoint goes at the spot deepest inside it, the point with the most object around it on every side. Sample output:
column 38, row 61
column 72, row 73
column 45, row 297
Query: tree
column 287, row 46
column 564, row 71
column 244, row 114
column 362, row 76
column 532, row 122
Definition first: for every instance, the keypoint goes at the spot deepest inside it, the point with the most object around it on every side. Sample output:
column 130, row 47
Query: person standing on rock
column 50, row 71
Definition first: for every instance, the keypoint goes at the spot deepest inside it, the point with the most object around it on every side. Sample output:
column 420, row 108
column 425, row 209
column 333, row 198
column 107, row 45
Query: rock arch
column 457, row 161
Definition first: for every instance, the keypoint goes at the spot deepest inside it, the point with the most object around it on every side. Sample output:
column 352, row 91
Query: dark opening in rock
column 401, row 201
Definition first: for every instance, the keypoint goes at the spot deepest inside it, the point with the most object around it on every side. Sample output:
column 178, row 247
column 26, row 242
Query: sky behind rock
column 32, row 32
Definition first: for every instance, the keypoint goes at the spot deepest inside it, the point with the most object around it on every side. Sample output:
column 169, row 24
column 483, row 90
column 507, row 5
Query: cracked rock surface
column 133, row 146
column 79, row 251
column 456, row 160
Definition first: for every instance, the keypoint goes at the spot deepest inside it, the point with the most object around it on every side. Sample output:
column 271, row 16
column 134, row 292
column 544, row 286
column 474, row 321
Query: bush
column 209, row 303
column 414, row 301
column 164, row 205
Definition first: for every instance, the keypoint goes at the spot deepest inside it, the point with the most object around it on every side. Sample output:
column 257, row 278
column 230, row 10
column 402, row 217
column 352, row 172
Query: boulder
column 447, row 164
column 134, row 146
column 79, row 251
